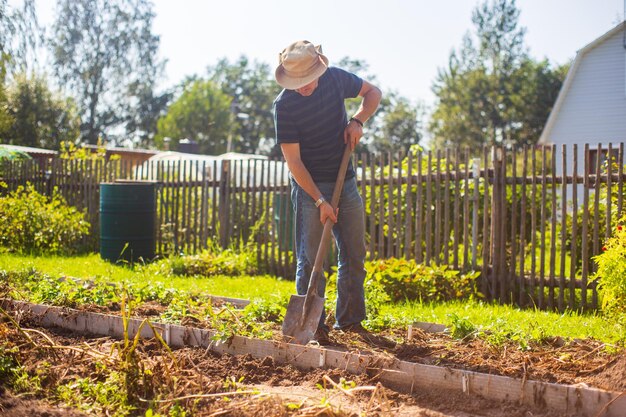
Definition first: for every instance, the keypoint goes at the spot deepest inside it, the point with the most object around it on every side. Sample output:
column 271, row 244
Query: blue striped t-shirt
column 317, row 122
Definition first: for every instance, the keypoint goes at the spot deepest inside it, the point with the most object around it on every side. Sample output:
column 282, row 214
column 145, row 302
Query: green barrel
column 127, row 216
column 283, row 219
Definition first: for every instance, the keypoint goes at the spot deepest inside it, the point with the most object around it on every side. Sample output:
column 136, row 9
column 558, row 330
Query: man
column 312, row 129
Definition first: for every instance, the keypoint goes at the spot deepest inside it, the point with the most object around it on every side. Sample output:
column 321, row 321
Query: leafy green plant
column 407, row 280
column 266, row 310
column 215, row 261
column 461, row 327
column 611, row 273
column 33, row 223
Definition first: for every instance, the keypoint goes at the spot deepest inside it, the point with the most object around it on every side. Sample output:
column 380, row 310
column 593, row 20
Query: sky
column 404, row 42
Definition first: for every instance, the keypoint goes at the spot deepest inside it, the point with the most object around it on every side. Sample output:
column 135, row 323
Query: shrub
column 33, row 223
column 229, row 262
column 407, row 280
column 393, row 280
column 611, row 273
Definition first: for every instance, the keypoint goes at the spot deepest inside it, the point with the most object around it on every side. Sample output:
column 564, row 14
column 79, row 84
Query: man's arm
column 371, row 99
column 291, row 152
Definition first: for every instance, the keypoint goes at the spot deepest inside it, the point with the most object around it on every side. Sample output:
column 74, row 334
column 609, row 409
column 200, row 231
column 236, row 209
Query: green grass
column 534, row 324
column 93, row 267
column 501, row 320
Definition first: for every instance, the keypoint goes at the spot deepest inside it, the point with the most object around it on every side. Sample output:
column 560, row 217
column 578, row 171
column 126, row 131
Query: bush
column 209, row 263
column 36, row 224
column 407, row 280
column 611, row 273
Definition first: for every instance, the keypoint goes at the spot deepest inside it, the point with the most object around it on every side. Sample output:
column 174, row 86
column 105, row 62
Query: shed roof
column 29, row 150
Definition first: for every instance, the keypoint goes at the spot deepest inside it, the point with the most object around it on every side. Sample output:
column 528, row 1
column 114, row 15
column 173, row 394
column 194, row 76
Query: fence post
column 496, row 217
column 475, row 202
column 223, row 208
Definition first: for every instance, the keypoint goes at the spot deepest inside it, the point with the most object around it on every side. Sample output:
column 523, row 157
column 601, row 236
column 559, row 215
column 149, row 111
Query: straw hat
column 299, row 64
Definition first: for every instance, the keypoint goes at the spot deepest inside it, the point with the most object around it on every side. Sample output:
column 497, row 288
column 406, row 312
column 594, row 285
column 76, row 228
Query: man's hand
column 371, row 99
column 327, row 212
column 352, row 134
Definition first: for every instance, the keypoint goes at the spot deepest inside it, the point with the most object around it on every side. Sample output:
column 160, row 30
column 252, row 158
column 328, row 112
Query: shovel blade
column 299, row 326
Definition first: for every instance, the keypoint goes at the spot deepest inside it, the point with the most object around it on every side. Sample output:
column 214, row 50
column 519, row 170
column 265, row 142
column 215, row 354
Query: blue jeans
column 349, row 233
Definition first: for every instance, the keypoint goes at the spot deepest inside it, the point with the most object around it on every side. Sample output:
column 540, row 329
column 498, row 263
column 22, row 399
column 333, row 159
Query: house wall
column 594, row 108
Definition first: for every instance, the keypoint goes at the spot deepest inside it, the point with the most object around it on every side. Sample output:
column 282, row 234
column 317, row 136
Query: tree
column 39, row 117
column 144, row 108
column 202, row 114
column 401, row 126
column 5, row 118
column 492, row 92
column 252, row 89
column 104, row 51
column 397, row 123
column 20, row 35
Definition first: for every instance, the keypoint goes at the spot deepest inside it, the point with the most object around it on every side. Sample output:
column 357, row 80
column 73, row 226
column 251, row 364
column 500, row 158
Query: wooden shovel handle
column 322, row 250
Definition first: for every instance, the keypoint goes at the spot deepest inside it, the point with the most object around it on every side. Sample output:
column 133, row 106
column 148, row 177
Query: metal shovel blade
column 299, row 325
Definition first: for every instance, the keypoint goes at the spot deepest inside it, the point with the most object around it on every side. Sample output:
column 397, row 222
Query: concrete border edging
column 405, row 376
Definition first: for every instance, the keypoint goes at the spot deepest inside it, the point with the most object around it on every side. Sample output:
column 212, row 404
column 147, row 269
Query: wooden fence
column 530, row 221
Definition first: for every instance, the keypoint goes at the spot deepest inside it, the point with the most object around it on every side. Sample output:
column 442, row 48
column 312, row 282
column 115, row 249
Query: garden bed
column 554, row 360
column 212, row 384
column 579, row 362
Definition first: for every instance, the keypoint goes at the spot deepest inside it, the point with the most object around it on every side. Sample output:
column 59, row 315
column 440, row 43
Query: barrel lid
column 130, row 182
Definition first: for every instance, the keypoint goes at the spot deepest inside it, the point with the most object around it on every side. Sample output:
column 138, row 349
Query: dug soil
column 556, row 360
column 212, row 385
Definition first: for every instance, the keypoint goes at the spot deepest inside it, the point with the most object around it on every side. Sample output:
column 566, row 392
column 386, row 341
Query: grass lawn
column 504, row 319
column 93, row 267
column 497, row 319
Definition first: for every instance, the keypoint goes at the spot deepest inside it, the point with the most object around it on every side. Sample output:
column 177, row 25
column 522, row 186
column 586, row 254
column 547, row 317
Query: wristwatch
column 319, row 201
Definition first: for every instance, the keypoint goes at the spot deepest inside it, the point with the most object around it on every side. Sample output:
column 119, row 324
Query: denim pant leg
column 308, row 235
column 349, row 233
column 350, row 237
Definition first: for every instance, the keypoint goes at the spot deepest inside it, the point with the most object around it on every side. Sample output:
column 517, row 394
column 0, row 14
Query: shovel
column 304, row 311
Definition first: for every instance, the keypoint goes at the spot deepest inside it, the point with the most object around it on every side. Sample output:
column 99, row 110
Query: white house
column 591, row 106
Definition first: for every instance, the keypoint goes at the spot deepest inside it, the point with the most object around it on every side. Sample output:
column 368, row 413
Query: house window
column 592, row 158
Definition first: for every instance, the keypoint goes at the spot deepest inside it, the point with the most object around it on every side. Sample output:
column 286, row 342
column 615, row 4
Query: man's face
column 308, row 89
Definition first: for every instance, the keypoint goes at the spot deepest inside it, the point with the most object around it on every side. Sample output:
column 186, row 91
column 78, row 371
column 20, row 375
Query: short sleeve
column 349, row 83
column 286, row 130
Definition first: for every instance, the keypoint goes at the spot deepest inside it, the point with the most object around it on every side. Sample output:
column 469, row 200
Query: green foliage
column 253, row 89
column 20, row 33
column 611, row 273
column 5, row 117
column 105, row 53
column 73, row 292
column 33, row 223
column 491, row 91
column 461, row 327
column 202, row 114
column 214, row 261
column 401, row 126
column 98, row 397
column 407, row 280
column 397, row 123
column 9, row 366
column 266, row 310
column 69, row 151
column 40, row 117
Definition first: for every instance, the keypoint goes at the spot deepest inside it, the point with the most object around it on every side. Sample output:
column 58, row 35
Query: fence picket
column 574, row 243
column 534, row 249
column 419, row 210
column 561, row 298
column 596, row 219
column 522, row 233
